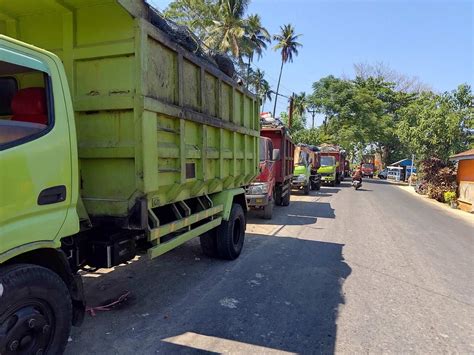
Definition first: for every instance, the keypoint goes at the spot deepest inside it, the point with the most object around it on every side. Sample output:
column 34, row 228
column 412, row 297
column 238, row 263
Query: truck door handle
column 52, row 195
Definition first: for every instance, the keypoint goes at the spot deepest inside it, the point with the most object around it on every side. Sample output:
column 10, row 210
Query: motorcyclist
column 357, row 174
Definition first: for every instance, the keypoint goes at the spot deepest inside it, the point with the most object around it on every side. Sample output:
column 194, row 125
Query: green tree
column 300, row 104
column 288, row 46
column 197, row 15
column 255, row 40
column 228, row 29
column 261, row 86
column 431, row 126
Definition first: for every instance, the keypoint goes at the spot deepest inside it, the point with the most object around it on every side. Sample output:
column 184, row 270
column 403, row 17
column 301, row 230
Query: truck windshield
column 327, row 161
column 302, row 158
column 367, row 166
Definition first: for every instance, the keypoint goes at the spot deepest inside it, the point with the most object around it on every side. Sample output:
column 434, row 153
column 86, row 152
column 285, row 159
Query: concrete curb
column 465, row 216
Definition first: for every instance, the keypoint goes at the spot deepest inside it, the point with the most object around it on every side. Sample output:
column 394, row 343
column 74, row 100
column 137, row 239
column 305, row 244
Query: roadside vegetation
column 377, row 110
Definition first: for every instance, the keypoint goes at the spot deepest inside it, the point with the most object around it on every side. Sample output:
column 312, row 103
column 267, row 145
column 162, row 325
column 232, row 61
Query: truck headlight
column 260, row 188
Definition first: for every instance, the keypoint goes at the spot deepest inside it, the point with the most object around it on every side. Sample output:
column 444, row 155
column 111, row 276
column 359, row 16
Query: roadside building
column 465, row 179
column 405, row 166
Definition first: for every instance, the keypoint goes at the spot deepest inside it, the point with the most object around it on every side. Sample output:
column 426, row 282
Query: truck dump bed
column 281, row 140
column 155, row 122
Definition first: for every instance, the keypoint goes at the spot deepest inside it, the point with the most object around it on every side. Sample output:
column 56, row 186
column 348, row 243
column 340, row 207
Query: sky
column 432, row 40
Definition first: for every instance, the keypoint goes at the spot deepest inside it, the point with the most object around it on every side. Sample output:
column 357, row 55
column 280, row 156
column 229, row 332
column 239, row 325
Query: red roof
column 468, row 154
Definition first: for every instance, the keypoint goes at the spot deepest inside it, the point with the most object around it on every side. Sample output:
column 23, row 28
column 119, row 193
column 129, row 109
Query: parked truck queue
column 116, row 140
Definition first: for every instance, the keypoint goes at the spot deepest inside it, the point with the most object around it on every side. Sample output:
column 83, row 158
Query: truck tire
column 333, row 183
column 209, row 243
column 268, row 210
column 286, row 199
column 231, row 234
column 35, row 311
column 306, row 189
column 278, row 198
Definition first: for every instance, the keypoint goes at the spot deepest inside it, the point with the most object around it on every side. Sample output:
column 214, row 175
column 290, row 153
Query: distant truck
column 328, row 170
column 368, row 165
column 347, row 168
column 332, row 174
column 273, row 185
column 306, row 165
column 121, row 141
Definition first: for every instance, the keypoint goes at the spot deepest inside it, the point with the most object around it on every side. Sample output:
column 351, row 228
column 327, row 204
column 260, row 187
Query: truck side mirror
column 276, row 154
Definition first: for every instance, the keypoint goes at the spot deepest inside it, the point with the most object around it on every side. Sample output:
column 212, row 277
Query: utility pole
column 290, row 114
column 411, row 169
column 312, row 111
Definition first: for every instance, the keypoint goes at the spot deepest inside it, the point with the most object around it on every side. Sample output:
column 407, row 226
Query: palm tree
column 255, row 40
column 229, row 28
column 262, row 87
column 288, row 46
column 300, row 104
column 265, row 93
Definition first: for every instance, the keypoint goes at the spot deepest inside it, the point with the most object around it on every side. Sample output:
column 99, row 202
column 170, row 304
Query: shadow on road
column 281, row 294
column 297, row 213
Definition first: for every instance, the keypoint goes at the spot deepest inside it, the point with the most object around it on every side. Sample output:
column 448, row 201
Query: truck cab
column 328, row 169
column 367, row 170
column 260, row 194
column 302, row 170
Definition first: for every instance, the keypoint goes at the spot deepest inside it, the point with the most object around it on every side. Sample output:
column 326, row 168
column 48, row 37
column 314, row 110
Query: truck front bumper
column 298, row 184
column 257, row 200
column 327, row 178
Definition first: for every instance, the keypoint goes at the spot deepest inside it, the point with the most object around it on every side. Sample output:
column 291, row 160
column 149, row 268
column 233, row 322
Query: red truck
column 273, row 185
column 368, row 165
column 339, row 154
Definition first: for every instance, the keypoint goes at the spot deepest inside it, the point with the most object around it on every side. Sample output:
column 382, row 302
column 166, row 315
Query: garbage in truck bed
column 185, row 38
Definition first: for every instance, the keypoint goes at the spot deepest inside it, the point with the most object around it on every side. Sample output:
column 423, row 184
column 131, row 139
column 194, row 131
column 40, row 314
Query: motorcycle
column 356, row 184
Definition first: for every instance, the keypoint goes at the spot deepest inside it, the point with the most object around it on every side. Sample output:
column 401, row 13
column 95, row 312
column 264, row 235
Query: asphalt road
column 375, row 270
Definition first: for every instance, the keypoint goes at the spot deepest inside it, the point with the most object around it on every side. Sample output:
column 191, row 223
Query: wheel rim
column 236, row 232
column 27, row 328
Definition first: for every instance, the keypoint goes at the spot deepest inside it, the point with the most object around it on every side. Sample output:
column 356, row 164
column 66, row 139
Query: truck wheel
column 231, row 234
column 338, row 180
column 333, row 183
column 306, row 189
column 278, row 198
column 286, row 199
column 35, row 311
column 209, row 243
column 268, row 210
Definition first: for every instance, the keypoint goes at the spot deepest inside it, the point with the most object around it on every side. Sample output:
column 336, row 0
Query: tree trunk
column 278, row 88
column 248, row 74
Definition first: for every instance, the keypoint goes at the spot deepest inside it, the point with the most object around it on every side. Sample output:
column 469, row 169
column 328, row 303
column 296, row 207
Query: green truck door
column 35, row 153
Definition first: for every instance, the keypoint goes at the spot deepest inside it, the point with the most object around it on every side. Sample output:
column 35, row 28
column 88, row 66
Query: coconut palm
column 265, row 93
column 255, row 40
column 300, row 104
column 261, row 86
column 229, row 28
column 288, row 46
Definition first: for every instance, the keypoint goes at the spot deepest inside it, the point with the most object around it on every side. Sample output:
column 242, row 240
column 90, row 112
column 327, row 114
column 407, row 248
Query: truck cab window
column 24, row 101
column 8, row 89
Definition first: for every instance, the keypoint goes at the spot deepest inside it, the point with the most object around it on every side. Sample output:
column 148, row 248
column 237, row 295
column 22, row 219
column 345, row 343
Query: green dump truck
column 120, row 141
